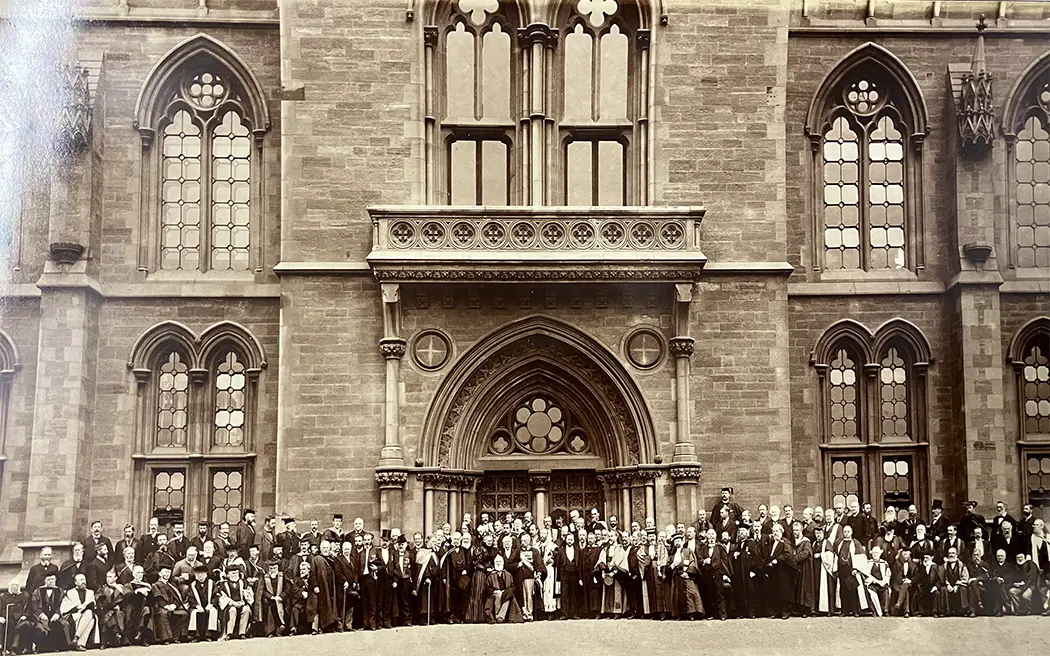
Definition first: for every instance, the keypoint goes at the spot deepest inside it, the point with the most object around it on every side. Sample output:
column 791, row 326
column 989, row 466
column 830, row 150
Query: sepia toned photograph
column 524, row 326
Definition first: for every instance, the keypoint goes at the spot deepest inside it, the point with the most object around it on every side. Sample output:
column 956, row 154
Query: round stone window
column 431, row 350
column 644, row 348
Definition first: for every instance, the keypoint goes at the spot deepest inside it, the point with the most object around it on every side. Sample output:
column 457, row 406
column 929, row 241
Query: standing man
column 714, row 568
column 148, row 543
column 335, row 533
column 938, row 529
column 1001, row 517
column 289, row 539
column 202, row 537
column 244, row 533
column 96, row 537
column 179, row 543
column 269, row 539
column 726, row 501
column 970, row 521
column 125, row 542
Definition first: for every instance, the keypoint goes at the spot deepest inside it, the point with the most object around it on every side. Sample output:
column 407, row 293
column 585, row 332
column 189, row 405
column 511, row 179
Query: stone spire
column 975, row 112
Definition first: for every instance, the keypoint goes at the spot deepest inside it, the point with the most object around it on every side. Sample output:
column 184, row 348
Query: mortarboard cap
column 971, row 504
column 200, row 567
column 304, row 538
column 337, row 516
column 273, row 563
column 249, row 510
column 202, row 523
column 289, row 520
column 938, row 504
column 727, row 489
column 401, row 539
column 231, row 547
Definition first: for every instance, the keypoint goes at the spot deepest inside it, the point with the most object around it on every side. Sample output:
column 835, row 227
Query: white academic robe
column 83, row 623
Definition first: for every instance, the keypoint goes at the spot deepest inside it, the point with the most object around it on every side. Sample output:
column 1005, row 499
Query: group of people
column 235, row 582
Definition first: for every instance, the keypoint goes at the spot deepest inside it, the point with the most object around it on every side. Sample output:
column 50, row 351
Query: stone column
column 537, row 41
column 625, row 504
column 393, row 349
column 391, row 488
column 540, row 482
column 686, row 478
column 57, row 496
column 681, row 347
column 428, row 503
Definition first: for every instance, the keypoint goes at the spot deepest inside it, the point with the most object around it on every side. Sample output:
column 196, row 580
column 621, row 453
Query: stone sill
column 153, row 289
column 193, row 456
column 873, row 445
column 174, row 16
column 953, row 27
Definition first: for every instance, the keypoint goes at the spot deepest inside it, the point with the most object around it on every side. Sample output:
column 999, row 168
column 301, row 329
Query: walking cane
column 428, row 602
column 7, row 624
column 342, row 614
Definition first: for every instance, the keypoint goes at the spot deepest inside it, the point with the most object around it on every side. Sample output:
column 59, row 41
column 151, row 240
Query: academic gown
column 109, row 602
column 957, row 602
column 647, row 574
column 481, row 560
column 684, row 574
column 50, row 633
column 203, row 602
column 37, row 574
column 779, row 585
column 802, row 561
column 302, row 603
column 273, row 594
column 81, row 625
column 929, row 589
column 662, row 584
column 714, row 566
column 138, row 614
column 326, row 598
column 825, row 577
column 613, row 570
column 427, row 572
column 169, row 625
column 592, row 583
column 460, row 570
column 745, row 560
column 501, row 604
column 851, row 592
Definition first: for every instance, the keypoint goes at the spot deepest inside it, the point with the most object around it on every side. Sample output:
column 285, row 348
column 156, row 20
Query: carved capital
column 644, row 38
column 538, row 33
column 65, row 252
column 681, row 347
column 198, row 376
column 539, row 482
column 430, row 36
column 686, row 473
column 393, row 348
column 391, row 479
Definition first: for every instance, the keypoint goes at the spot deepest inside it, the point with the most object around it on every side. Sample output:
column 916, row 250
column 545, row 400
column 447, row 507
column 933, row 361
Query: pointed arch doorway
column 538, row 417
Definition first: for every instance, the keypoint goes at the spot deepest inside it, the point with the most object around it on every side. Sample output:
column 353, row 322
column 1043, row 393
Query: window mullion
column 864, row 216
column 596, row 75
column 204, row 240
column 479, row 177
column 479, row 73
column 595, row 201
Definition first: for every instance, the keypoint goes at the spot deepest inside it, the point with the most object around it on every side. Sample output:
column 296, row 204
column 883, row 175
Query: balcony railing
column 536, row 243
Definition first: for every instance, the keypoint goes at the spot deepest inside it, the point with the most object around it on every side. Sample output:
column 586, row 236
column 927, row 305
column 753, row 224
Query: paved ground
column 838, row 636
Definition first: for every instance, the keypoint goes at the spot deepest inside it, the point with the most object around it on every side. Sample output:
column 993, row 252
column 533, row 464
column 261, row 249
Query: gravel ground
column 839, row 636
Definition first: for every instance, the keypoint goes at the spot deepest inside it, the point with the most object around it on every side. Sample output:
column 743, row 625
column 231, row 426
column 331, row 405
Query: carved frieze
column 75, row 130
column 686, row 472
column 388, row 479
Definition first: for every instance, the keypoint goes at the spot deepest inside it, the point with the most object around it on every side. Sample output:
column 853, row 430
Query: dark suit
column 930, row 590
column 49, row 634
column 90, row 544
column 714, row 564
column 461, row 569
column 570, row 575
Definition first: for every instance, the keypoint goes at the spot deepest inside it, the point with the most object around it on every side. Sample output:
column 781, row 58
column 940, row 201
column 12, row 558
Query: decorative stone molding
column 536, row 243
column 975, row 110
column 685, row 473
column 538, row 33
column 393, row 348
column 448, row 480
column 75, row 130
column 629, row 477
column 540, row 482
column 199, row 349
column 681, row 347
column 391, row 479
column 65, row 252
column 977, row 254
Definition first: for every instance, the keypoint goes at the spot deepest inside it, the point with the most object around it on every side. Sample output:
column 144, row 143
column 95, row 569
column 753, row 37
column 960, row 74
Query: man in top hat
column 335, row 533
column 244, row 533
column 726, row 501
column 970, row 521
column 46, row 612
column 938, row 528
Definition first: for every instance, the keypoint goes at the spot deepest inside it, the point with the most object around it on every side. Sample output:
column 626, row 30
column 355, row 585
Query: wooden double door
column 499, row 493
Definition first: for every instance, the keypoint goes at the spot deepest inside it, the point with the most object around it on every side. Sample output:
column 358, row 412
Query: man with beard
column 202, row 537
column 969, row 522
column 74, row 566
column 851, row 587
column 865, row 527
column 921, row 544
column 40, row 570
column 725, row 522
column 289, row 539
column 997, row 595
column 148, row 543
column 137, row 611
column 314, row 535
column 996, row 536
column 402, row 583
column 125, row 570
column 745, row 560
column 726, row 501
column 568, row 564
column 235, row 604
column 888, row 542
column 269, row 539
column 182, row 572
column 126, row 542
column 901, row 580
column 170, row 610
column 592, row 586
column 96, row 537
column 273, row 595
column 461, row 571
column 715, row 574
column 203, row 597
column 385, row 615
column 1024, row 587
column 938, row 528
column 346, row 584
column 324, row 578
column 158, row 559
column 254, row 571
column 957, row 586
column 1024, row 526
column 1010, row 542
column 951, row 541
column 929, row 587
column 109, row 604
column 778, row 575
column 179, row 543
column 99, row 565
column 244, row 533
column 45, row 605
column 826, row 574
column 78, row 611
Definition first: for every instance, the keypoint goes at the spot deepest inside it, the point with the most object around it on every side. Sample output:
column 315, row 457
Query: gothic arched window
column 202, row 118
column 1030, row 356
column 1026, row 126
column 196, row 400
column 866, row 125
column 873, row 414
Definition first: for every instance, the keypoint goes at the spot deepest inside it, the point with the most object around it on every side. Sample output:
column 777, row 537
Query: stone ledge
column 175, row 16
column 865, row 288
column 359, row 268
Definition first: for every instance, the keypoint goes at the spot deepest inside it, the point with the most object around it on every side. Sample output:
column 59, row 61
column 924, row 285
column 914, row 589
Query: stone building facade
column 406, row 259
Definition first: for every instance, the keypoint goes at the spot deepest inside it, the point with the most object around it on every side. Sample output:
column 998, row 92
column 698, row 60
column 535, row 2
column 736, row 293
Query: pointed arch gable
column 638, row 12
column 914, row 112
column 1016, row 107
column 846, row 331
column 900, row 331
column 153, row 97
column 160, row 335
column 229, row 333
column 1022, row 339
column 445, row 440
column 439, row 12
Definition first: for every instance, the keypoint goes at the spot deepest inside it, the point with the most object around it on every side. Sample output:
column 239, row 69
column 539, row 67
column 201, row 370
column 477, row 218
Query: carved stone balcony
column 557, row 244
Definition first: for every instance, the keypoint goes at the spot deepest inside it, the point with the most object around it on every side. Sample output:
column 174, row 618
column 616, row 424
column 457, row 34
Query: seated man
column 302, row 601
column 877, row 582
column 203, row 598
column 138, row 614
column 959, row 600
column 978, row 582
column 109, row 603
column 78, row 611
column 996, row 594
column 929, row 587
column 235, row 601
column 13, row 608
column 46, row 612
column 274, row 594
column 1024, row 586
column 170, row 611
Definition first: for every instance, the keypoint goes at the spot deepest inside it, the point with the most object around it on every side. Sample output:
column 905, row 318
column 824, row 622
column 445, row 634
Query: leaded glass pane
column 231, row 194
column 1036, row 392
column 180, row 194
column 613, row 82
column 886, row 196
column 843, row 403
column 893, row 395
column 172, row 417
column 230, row 385
column 227, row 495
column 846, row 481
column 459, row 73
column 897, row 482
column 578, row 78
column 169, row 495
column 504, row 493
column 841, row 156
column 1032, row 191
column 1037, row 482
